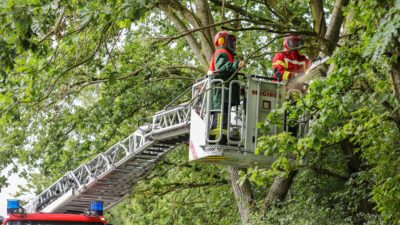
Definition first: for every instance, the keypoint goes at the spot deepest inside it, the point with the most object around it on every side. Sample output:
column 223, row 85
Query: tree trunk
column 395, row 75
column 319, row 23
column 353, row 159
column 194, row 45
column 354, row 165
column 203, row 50
column 243, row 194
column 202, row 47
column 205, row 17
column 317, row 11
column 335, row 23
column 279, row 190
column 333, row 30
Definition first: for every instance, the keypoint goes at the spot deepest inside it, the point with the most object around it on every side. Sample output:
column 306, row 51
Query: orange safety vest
column 211, row 68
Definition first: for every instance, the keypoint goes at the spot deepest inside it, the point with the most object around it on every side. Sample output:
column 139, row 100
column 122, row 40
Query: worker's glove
column 241, row 64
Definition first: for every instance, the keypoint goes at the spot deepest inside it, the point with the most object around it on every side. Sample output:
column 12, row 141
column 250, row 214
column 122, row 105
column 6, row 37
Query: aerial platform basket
column 258, row 97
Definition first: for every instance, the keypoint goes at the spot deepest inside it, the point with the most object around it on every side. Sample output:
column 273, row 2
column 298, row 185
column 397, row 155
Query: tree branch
column 278, row 190
column 243, row 194
column 200, row 70
column 79, row 29
column 56, row 28
column 182, row 186
column 273, row 12
column 335, row 22
column 205, row 18
column 317, row 12
column 53, row 85
column 173, row 78
column 395, row 77
column 187, row 32
column 245, row 13
column 329, row 173
column 300, row 32
column 95, row 80
column 201, row 20
column 195, row 47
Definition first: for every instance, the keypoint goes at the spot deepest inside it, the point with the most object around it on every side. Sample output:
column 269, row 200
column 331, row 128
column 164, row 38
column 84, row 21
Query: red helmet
column 292, row 41
column 224, row 39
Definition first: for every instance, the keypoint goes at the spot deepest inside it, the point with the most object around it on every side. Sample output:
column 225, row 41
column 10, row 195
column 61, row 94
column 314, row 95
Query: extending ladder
column 112, row 175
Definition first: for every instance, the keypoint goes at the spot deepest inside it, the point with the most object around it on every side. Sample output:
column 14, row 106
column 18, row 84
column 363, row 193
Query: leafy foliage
column 350, row 109
column 78, row 76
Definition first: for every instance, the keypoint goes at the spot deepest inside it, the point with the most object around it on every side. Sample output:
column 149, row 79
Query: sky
column 9, row 192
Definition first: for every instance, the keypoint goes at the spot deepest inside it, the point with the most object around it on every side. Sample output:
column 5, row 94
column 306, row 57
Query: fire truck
column 16, row 216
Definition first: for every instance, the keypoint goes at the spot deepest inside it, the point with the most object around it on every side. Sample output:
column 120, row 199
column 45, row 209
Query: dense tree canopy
column 78, row 76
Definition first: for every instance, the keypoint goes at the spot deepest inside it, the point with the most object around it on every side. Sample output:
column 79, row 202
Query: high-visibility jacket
column 223, row 64
column 289, row 64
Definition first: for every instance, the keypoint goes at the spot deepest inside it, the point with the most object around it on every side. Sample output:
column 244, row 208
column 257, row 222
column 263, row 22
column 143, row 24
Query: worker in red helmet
column 222, row 62
column 223, row 66
column 290, row 63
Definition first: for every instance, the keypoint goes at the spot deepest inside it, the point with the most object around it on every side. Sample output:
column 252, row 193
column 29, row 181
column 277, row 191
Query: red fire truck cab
column 52, row 219
column 16, row 216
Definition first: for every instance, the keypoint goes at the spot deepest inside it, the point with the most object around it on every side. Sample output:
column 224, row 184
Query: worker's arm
column 280, row 68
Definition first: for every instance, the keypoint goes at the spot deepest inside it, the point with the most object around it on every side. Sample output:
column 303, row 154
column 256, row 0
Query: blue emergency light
column 97, row 207
column 12, row 205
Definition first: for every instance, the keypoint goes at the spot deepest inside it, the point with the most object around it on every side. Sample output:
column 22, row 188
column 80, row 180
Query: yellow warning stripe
column 286, row 75
column 216, row 157
column 280, row 62
column 212, row 159
column 216, row 130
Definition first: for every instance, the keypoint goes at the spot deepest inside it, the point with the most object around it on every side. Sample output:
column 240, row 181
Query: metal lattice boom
column 112, row 175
